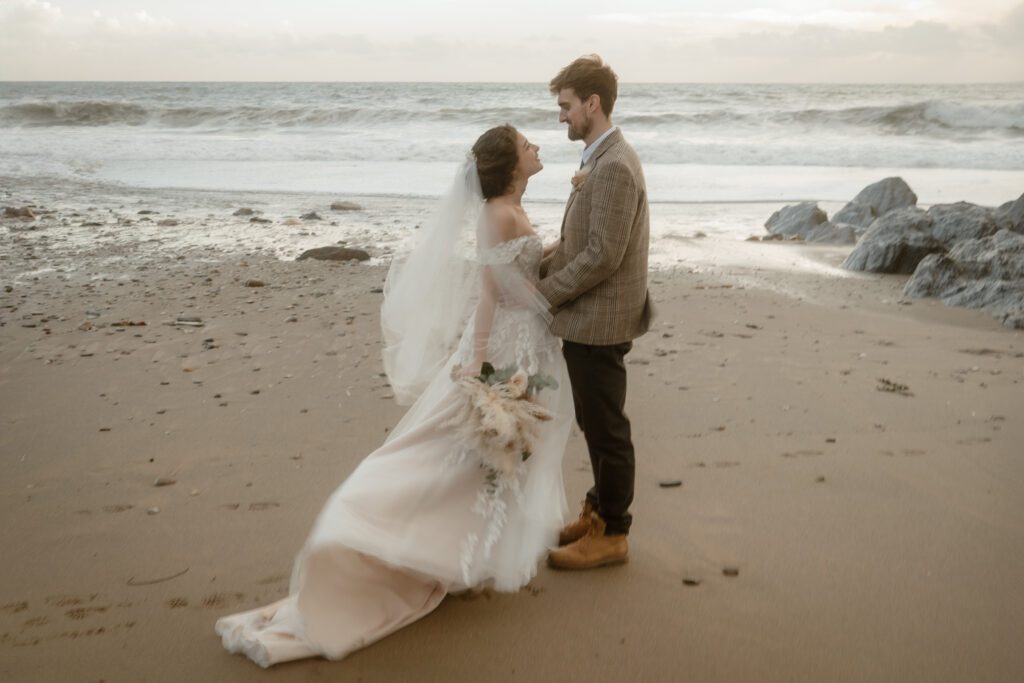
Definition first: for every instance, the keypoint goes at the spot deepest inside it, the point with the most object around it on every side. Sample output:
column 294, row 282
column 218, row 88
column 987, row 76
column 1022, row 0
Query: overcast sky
column 528, row 40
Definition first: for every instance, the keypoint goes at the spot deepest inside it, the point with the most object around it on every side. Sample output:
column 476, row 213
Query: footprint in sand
column 70, row 600
column 219, row 600
column 802, row 454
column 276, row 578
column 80, row 613
column 175, row 603
column 15, row 607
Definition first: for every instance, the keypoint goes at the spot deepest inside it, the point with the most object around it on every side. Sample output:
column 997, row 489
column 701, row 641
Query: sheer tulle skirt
column 415, row 521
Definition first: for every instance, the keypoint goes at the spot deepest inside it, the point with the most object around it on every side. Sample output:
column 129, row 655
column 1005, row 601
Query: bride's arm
column 550, row 249
column 483, row 320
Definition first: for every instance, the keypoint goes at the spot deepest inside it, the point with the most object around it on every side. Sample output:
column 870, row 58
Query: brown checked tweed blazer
column 596, row 280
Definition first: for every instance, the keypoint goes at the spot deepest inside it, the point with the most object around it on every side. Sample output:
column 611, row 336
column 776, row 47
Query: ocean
column 718, row 158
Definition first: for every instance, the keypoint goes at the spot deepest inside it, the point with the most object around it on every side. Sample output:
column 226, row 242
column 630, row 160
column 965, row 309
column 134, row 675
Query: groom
column 596, row 283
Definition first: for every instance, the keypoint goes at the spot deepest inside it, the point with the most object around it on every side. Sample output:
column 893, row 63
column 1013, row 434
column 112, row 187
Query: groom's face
column 575, row 113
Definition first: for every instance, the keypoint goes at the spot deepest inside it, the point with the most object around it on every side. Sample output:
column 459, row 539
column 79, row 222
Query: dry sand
column 876, row 535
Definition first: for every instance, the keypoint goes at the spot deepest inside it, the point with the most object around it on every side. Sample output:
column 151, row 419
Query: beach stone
column 731, row 571
column 985, row 273
column 255, row 283
column 1011, row 215
column 833, row 233
column 169, row 222
column 895, row 243
column 165, row 481
column 886, row 195
column 670, row 483
column 345, row 206
column 334, row 254
column 257, row 219
column 19, row 212
column 243, row 212
column 796, row 219
column 311, row 216
column 856, row 214
column 291, row 221
column 954, row 222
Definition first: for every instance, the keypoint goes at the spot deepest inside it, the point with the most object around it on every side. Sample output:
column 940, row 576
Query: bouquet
column 498, row 417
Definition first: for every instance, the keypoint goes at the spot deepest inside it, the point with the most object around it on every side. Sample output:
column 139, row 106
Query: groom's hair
column 587, row 76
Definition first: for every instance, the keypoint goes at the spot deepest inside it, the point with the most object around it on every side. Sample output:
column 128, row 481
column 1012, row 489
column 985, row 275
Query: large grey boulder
column 952, row 223
column 833, row 233
column 886, row 195
column 855, row 214
column 1011, row 215
column 796, row 219
column 986, row 273
column 333, row 254
column 895, row 243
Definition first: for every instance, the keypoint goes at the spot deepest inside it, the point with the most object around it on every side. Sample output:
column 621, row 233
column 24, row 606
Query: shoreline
column 868, row 520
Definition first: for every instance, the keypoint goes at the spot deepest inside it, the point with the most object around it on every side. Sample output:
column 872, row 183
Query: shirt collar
column 592, row 147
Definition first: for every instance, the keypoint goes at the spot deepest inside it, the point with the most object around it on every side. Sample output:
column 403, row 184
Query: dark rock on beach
column 334, row 254
column 832, row 232
column 895, row 243
column 345, row 206
column 243, row 212
column 882, row 197
column 856, row 214
column 796, row 219
column 986, row 273
column 19, row 212
column 311, row 216
column 1011, row 215
column 954, row 222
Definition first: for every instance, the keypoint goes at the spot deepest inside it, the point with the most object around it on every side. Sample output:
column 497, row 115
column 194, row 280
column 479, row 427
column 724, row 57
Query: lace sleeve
column 501, row 254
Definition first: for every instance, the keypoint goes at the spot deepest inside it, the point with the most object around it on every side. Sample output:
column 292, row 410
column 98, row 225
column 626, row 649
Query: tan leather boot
column 592, row 550
column 573, row 531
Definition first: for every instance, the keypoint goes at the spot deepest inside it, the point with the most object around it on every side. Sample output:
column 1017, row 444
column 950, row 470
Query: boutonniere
column 579, row 177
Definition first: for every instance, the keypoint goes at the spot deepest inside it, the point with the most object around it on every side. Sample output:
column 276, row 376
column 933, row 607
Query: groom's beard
column 582, row 131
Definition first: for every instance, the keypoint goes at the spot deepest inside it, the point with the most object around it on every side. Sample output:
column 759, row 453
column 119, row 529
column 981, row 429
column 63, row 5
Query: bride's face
column 529, row 159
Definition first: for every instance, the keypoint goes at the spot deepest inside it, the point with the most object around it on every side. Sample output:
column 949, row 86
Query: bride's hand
column 550, row 249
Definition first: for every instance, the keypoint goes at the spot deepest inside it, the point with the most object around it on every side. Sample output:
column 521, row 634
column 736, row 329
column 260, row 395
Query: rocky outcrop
column 855, row 214
column 884, row 196
column 952, row 223
column 1011, row 215
column 797, row 219
column 895, row 243
column 986, row 273
column 23, row 212
column 334, row 254
column 834, row 233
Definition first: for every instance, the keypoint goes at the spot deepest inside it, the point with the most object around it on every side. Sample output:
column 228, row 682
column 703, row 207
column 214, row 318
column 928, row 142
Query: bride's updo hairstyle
column 496, row 153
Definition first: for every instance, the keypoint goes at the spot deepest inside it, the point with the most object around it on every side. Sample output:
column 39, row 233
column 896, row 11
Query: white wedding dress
column 416, row 519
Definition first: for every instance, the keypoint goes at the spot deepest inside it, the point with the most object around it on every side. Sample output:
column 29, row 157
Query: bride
column 424, row 515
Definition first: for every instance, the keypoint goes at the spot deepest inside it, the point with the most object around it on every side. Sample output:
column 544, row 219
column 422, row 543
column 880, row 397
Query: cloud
column 39, row 42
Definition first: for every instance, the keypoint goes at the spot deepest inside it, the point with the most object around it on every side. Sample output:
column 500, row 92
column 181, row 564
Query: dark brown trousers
column 598, row 377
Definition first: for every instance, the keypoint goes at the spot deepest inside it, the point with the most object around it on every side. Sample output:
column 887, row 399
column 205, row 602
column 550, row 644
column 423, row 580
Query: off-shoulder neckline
column 514, row 240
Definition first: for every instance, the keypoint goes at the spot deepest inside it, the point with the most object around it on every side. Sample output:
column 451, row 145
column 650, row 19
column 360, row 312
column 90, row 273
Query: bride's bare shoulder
column 502, row 222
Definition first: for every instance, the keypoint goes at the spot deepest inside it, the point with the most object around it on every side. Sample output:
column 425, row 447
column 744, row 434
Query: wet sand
column 851, row 469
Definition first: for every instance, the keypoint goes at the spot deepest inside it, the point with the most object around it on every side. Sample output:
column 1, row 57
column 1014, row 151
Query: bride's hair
column 496, row 153
column 587, row 76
